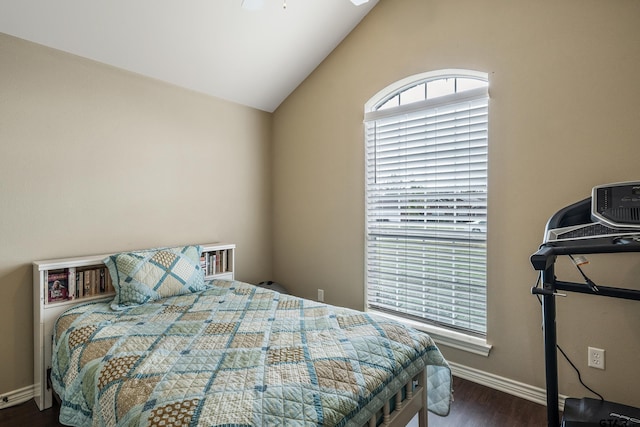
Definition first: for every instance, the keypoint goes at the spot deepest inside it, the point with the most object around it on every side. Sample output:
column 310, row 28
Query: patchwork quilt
column 235, row 355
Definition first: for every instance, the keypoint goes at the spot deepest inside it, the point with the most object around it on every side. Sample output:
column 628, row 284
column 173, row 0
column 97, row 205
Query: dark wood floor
column 478, row 406
column 474, row 406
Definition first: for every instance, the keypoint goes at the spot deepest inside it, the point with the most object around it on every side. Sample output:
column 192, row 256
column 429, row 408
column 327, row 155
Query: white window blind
column 426, row 210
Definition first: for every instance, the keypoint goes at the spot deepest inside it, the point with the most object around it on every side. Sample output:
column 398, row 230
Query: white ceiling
column 254, row 58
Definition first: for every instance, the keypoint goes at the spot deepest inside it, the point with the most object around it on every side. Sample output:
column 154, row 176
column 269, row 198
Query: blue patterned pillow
column 151, row 274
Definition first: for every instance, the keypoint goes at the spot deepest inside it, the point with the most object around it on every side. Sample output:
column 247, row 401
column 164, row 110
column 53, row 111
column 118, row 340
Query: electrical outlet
column 596, row 358
column 321, row 295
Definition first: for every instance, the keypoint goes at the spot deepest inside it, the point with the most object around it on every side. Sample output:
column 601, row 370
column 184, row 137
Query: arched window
column 426, row 199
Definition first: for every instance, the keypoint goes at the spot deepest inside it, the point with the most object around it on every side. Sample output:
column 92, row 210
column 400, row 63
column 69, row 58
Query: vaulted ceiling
column 251, row 57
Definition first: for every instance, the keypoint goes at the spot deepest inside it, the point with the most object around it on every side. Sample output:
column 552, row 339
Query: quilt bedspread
column 235, row 355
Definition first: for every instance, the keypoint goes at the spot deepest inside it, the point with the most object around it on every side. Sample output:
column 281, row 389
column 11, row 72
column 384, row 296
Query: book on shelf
column 204, row 263
column 57, row 285
column 71, row 280
column 79, row 284
column 87, row 283
column 73, row 283
column 223, row 262
column 102, row 280
column 215, row 262
column 208, row 263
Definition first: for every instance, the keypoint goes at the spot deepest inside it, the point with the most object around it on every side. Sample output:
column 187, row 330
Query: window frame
column 467, row 341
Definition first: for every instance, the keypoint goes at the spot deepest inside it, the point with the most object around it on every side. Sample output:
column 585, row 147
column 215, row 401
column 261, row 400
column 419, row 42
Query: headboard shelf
column 85, row 279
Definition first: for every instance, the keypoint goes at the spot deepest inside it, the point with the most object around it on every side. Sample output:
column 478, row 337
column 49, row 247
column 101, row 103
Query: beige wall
column 96, row 160
column 564, row 116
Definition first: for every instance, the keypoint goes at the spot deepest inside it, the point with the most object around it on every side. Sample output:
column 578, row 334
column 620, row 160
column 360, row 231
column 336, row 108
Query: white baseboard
column 16, row 397
column 506, row 385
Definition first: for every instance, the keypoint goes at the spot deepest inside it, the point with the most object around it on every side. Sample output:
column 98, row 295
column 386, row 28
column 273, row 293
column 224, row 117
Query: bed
column 233, row 354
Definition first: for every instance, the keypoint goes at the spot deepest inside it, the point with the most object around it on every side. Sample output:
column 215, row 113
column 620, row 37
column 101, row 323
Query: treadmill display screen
column 617, row 205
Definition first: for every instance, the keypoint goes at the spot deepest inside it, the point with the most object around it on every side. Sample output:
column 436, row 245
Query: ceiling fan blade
column 259, row 4
column 252, row 4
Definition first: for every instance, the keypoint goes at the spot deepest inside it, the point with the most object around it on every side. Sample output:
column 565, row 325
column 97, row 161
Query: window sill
column 444, row 336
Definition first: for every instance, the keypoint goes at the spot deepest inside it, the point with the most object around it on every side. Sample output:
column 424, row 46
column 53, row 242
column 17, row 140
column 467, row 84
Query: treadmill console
column 610, row 215
column 617, row 205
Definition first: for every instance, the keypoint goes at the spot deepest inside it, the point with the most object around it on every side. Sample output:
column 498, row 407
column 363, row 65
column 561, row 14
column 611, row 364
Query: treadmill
column 606, row 222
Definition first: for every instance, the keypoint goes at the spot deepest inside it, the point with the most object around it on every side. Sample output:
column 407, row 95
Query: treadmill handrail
column 545, row 256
